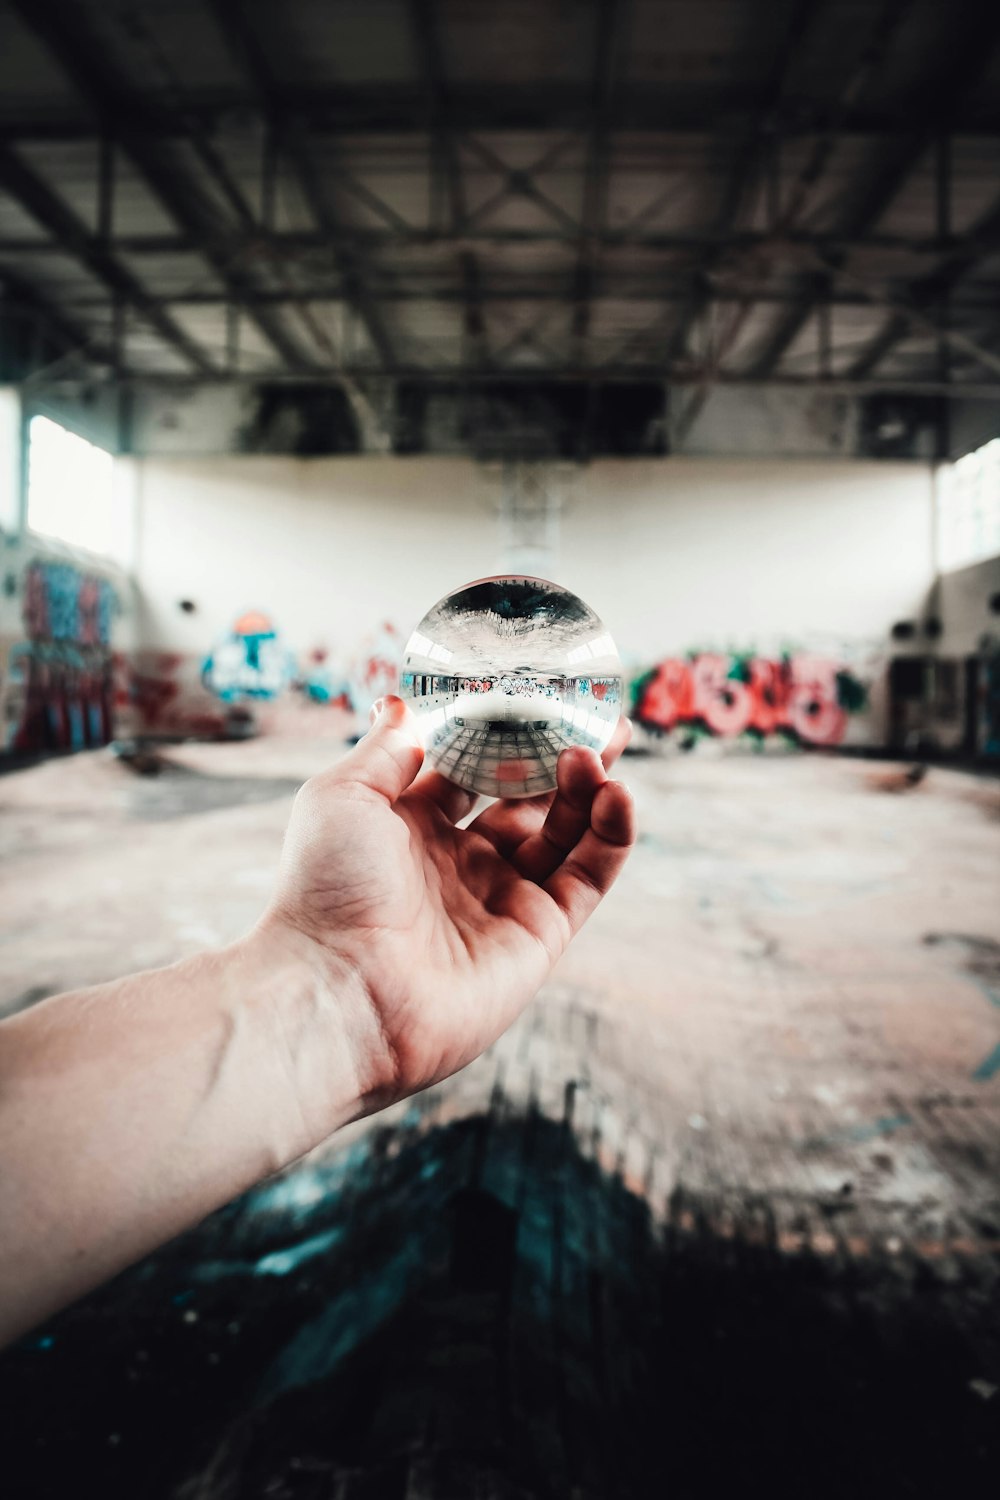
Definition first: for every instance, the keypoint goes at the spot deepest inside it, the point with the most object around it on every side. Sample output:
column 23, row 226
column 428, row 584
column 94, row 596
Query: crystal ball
column 505, row 673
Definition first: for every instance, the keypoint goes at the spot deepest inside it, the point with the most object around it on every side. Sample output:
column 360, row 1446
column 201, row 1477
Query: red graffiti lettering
column 721, row 702
column 813, row 710
column 668, row 697
column 727, row 696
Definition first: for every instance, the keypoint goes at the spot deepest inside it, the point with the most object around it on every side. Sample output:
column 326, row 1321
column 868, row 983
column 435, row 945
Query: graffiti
column 248, row 662
column 375, row 670
column 251, row 663
column 61, row 689
column 805, row 697
column 321, row 682
column 153, row 691
column 604, row 690
column 527, row 687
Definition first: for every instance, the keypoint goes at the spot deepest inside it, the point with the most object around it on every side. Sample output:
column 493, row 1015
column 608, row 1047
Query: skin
column 398, row 946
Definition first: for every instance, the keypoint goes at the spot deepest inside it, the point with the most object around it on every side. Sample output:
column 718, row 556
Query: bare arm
column 397, row 948
column 131, row 1110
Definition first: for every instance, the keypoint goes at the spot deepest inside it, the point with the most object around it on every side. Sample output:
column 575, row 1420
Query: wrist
column 320, row 1026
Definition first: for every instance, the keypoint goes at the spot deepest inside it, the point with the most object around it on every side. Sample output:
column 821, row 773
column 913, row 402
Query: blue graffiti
column 248, row 662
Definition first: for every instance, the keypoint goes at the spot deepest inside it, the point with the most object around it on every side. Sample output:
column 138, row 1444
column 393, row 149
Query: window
column 70, row 487
column 969, row 508
column 10, row 459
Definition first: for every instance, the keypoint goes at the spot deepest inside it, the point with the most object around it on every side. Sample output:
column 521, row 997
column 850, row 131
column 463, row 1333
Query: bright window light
column 969, row 508
column 70, row 487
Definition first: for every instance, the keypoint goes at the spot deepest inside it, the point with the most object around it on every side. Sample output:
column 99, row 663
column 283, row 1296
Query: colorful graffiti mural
column 375, row 670
column 321, row 681
column 61, row 689
column 249, row 662
column 154, row 686
column 805, row 697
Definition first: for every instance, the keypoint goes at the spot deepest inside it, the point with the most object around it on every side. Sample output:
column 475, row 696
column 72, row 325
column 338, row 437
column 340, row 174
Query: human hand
column 445, row 933
column 398, row 946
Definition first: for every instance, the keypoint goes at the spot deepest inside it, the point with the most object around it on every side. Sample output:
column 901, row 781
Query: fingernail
column 374, row 713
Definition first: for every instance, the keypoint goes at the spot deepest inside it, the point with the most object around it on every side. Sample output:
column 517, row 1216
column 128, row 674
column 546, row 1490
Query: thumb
column 389, row 756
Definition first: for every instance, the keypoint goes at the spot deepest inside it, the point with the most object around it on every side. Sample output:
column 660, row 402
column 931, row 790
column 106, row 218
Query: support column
column 13, row 462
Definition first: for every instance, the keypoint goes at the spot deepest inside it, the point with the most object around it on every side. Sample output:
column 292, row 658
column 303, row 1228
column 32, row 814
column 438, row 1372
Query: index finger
column 591, row 868
column 508, row 824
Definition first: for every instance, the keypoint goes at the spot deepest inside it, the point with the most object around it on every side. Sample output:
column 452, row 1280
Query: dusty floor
column 780, row 1036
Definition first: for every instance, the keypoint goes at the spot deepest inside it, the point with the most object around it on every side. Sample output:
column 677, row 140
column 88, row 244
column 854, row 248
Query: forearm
column 131, row 1110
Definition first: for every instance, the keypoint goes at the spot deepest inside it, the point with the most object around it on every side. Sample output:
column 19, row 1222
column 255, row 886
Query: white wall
column 674, row 553
column 694, row 553
column 329, row 548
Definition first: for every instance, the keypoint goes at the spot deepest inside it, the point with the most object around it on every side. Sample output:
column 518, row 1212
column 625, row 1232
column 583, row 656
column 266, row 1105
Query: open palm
column 450, row 929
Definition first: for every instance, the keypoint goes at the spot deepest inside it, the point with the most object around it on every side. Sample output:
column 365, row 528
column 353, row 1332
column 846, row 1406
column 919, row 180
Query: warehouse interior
column 310, row 315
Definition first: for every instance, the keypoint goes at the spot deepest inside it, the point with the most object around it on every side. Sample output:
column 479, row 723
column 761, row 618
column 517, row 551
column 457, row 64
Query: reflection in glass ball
column 504, row 674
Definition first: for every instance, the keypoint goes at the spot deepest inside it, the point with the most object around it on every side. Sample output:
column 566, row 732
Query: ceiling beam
column 291, row 133
column 815, row 286
column 458, row 375
column 427, row 40
column 928, row 292
column 49, row 332
column 787, row 245
column 634, row 287
column 37, row 198
column 522, row 182
column 610, row 24
column 976, row 32
column 61, row 27
column 215, row 220
column 387, row 109
column 427, row 37
column 748, row 160
column 812, row 289
column 473, row 295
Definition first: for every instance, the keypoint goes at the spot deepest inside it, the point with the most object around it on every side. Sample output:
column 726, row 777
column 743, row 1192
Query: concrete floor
column 795, row 984
column 782, row 1029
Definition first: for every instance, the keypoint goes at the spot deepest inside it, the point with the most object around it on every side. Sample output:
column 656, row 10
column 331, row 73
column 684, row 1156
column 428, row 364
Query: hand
column 397, row 948
column 448, row 932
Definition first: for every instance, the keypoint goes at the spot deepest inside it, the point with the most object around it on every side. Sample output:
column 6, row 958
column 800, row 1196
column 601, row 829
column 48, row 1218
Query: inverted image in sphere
column 505, row 673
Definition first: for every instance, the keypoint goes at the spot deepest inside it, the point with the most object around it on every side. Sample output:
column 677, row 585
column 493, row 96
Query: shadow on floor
column 477, row 1309
column 180, row 792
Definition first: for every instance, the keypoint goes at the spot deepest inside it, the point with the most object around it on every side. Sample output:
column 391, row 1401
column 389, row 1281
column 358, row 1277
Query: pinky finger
column 592, row 867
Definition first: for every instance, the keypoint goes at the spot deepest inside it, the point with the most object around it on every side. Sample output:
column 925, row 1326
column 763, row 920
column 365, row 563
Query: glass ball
column 505, row 673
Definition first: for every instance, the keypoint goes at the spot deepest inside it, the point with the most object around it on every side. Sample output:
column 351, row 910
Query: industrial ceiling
column 449, row 193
